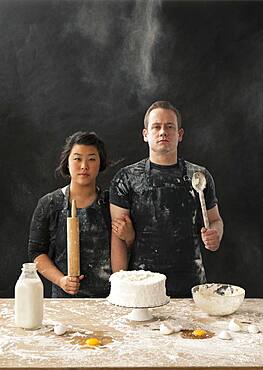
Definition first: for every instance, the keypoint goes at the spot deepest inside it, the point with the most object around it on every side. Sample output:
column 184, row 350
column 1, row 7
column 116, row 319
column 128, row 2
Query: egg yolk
column 93, row 342
column 199, row 333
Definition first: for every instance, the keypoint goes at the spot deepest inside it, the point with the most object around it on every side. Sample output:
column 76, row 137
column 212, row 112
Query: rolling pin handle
column 73, row 208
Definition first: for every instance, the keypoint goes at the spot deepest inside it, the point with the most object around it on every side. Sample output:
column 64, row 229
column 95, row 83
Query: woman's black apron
column 165, row 216
column 94, row 248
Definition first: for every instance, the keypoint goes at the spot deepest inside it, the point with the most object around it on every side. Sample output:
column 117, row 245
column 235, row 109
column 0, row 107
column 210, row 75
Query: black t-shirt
column 131, row 177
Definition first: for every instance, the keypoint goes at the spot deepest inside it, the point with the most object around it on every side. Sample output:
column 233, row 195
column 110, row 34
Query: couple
column 155, row 217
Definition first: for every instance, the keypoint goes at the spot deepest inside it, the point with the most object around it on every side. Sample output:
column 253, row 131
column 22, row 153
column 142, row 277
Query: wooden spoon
column 199, row 184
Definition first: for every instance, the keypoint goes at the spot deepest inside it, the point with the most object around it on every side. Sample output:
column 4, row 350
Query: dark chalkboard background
column 98, row 65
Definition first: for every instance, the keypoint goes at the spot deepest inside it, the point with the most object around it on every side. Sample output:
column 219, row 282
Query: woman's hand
column 70, row 284
column 123, row 228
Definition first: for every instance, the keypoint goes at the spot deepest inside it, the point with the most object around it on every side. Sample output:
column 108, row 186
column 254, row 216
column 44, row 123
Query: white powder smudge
column 135, row 343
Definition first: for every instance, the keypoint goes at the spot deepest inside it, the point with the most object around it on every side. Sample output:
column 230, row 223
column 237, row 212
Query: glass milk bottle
column 29, row 298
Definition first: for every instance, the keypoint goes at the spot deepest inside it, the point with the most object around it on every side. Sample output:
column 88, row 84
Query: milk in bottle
column 29, row 298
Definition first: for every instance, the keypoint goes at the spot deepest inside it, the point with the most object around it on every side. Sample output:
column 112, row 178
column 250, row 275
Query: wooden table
column 128, row 345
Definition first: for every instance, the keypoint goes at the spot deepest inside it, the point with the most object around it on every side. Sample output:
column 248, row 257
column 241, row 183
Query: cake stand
column 141, row 313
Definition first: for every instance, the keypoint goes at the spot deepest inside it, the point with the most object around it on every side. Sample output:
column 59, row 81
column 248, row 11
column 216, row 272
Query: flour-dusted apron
column 167, row 237
column 94, row 250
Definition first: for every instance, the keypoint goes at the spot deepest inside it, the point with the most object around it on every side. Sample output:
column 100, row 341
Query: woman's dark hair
column 81, row 138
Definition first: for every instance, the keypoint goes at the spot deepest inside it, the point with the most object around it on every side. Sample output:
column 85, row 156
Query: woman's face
column 84, row 164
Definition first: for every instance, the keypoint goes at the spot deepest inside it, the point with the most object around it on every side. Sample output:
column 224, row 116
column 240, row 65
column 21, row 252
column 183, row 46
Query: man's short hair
column 164, row 105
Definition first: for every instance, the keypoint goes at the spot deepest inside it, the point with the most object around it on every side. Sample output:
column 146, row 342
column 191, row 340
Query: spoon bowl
column 198, row 181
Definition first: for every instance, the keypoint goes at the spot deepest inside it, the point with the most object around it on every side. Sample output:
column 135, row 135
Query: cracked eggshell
column 177, row 328
column 225, row 335
column 166, row 329
column 235, row 325
column 253, row 329
column 60, row 329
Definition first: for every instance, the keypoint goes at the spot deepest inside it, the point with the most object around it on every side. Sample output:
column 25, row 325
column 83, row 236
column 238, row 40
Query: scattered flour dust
column 137, row 344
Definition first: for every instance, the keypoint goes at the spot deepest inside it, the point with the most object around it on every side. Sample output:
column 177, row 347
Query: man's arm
column 212, row 236
column 119, row 257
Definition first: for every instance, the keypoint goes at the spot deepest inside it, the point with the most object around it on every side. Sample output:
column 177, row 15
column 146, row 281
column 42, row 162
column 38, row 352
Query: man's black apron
column 165, row 217
column 94, row 249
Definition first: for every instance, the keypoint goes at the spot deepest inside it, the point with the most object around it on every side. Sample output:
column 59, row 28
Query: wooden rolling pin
column 73, row 242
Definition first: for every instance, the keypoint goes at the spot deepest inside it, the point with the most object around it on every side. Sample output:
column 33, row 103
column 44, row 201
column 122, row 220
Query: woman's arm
column 122, row 227
column 46, row 267
column 119, row 256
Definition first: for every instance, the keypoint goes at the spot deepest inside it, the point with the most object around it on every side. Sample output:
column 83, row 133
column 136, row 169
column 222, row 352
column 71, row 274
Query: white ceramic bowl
column 218, row 299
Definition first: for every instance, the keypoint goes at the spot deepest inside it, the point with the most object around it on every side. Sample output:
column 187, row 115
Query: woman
column 82, row 158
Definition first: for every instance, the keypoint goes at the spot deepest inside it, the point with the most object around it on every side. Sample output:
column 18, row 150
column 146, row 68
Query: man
column 164, row 208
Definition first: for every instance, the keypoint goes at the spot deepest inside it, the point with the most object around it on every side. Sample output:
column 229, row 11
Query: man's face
column 162, row 133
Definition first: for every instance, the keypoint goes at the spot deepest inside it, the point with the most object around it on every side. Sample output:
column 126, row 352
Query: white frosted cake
column 138, row 289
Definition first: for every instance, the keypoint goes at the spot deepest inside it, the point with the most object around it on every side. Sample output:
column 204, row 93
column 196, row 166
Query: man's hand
column 211, row 238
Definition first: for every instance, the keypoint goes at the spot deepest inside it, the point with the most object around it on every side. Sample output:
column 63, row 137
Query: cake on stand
column 139, row 290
